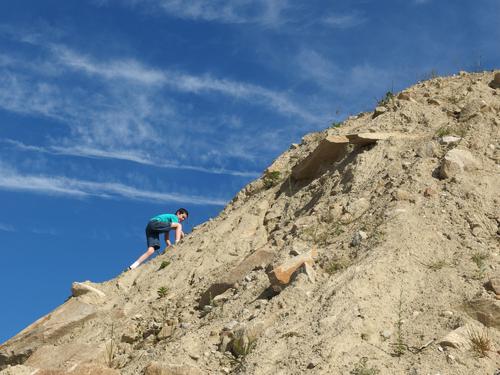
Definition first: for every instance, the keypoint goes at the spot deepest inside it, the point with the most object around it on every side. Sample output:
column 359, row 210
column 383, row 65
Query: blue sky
column 112, row 111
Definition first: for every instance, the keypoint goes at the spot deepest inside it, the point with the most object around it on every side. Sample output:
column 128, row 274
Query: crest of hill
column 388, row 226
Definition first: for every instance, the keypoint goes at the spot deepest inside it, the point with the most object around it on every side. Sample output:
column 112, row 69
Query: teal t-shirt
column 166, row 218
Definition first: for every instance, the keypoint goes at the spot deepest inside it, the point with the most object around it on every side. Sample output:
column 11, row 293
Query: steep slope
column 402, row 207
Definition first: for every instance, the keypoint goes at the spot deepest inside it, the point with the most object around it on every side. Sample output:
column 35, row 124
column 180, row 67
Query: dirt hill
column 370, row 248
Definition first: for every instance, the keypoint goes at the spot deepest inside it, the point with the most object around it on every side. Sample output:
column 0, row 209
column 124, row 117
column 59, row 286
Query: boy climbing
column 162, row 224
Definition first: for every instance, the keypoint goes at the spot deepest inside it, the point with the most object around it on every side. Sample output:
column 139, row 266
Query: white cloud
column 12, row 180
column 264, row 12
column 6, row 227
column 132, row 70
column 344, row 21
column 127, row 155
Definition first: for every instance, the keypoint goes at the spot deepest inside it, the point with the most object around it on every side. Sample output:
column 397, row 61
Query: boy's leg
column 150, row 251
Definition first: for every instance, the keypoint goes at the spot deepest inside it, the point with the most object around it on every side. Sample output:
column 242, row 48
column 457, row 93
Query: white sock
column 134, row 265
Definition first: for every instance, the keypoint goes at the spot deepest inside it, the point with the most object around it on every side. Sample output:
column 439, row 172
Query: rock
column 244, row 336
column 281, row 275
column 386, row 334
column 428, row 150
column 330, row 149
column 130, row 334
column 19, row 370
column 458, row 339
column 79, row 289
column 86, row 369
column 66, row 356
column 159, row 368
column 434, row 101
column 404, row 96
column 165, row 332
column 363, row 139
column 485, row 310
column 449, row 140
column 472, row 109
column 359, row 237
column 185, row 325
column 237, row 274
column 493, row 284
column 378, row 111
column 401, row 195
column 456, row 161
column 357, row 208
column 429, row 192
column 495, row 83
column 230, row 326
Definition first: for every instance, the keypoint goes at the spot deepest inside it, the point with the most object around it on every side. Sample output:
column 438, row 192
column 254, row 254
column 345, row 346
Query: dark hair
column 182, row 211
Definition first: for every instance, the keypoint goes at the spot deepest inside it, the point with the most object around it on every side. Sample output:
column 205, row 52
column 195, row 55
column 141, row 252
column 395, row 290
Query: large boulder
column 260, row 258
column 330, row 149
column 456, row 161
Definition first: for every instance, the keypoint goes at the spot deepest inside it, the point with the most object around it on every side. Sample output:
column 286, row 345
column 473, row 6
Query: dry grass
column 480, row 342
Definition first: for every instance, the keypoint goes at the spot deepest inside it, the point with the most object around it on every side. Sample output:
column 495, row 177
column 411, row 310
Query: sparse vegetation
column 436, row 265
column 335, row 124
column 479, row 259
column 271, row 179
column 110, row 352
column 162, row 292
column 336, row 265
column 480, row 342
column 361, row 368
column 388, row 98
column 164, row 264
column 399, row 347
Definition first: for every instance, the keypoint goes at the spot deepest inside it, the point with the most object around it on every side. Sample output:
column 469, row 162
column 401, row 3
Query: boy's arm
column 167, row 239
column 178, row 231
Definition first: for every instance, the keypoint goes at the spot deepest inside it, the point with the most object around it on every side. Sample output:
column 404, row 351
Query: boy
column 162, row 224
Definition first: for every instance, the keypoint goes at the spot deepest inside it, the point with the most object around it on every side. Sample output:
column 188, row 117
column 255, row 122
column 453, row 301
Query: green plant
column 335, row 124
column 436, row 265
column 337, row 264
column 241, row 348
column 479, row 258
column 162, row 292
column 480, row 342
column 361, row 368
column 399, row 346
column 271, row 179
column 164, row 264
column 110, row 352
column 388, row 98
column 443, row 131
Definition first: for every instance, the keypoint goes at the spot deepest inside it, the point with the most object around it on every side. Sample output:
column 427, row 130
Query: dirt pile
column 371, row 247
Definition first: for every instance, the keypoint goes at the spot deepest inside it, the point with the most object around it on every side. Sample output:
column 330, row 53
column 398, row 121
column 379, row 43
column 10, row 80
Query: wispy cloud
column 6, row 227
column 264, row 12
column 136, row 157
column 136, row 72
column 344, row 21
column 12, row 180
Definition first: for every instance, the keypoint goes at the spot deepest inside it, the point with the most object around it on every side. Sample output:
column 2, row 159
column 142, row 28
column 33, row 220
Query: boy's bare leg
column 150, row 251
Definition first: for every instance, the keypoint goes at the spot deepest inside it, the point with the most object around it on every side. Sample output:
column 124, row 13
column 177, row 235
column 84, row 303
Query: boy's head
column 182, row 214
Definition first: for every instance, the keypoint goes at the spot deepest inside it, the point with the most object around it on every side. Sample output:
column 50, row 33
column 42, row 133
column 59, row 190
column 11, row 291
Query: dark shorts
column 153, row 230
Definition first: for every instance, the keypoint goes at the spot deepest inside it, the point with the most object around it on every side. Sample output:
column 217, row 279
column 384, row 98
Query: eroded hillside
column 388, row 226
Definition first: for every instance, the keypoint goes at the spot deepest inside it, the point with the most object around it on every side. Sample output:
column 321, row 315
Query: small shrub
column 479, row 258
column 436, row 265
column 443, row 131
column 389, row 97
column 480, row 342
column 162, row 292
column 361, row 368
column 164, row 264
column 271, row 179
column 335, row 124
column 336, row 265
